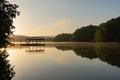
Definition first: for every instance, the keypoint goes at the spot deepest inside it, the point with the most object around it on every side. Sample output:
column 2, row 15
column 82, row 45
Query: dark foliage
column 64, row 37
column 6, row 70
column 84, row 34
column 7, row 13
column 109, row 31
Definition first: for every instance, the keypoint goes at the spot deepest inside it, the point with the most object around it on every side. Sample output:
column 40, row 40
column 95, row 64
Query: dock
column 34, row 41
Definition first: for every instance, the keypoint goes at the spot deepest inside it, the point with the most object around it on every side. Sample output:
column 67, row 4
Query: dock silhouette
column 34, row 41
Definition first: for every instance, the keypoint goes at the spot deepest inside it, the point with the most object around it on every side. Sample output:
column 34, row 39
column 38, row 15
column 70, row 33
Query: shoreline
column 69, row 43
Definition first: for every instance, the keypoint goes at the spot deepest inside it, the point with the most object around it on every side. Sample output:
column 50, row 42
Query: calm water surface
column 66, row 61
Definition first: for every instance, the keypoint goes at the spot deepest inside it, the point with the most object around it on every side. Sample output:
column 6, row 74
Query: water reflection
column 64, row 48
column 6, row 70
column 35, row 49
column 109, row 53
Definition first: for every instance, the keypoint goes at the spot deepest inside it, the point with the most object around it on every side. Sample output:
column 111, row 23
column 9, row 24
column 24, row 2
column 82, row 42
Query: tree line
column 105, row 32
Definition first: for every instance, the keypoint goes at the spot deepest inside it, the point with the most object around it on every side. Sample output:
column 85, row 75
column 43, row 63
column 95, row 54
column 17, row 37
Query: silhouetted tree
column 109, row 31
column 84, row 34
column 8, row 11
column 6, row 70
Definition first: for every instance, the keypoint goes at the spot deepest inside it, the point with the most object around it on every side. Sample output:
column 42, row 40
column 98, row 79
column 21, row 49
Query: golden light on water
column 10, row 51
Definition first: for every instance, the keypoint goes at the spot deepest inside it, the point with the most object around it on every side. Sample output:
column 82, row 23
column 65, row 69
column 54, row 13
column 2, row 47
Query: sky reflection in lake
column 65, row 62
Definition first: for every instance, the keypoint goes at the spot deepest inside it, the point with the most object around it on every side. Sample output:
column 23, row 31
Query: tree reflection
column 64, row 48
column 109, row 53
column 85, row 51
column 6, row 71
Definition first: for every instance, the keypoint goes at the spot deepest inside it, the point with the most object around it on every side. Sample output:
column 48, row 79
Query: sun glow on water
column 11, row 51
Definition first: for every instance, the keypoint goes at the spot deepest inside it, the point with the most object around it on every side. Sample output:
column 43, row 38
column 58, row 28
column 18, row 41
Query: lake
column 65, row 61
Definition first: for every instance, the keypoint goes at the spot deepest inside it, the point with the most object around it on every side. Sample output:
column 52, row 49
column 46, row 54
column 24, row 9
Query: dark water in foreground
column 71, row 61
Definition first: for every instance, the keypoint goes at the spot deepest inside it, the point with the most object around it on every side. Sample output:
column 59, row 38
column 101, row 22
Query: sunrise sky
column 51, row 17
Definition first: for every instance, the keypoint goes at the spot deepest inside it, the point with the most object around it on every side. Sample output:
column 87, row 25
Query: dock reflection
column 35, row 49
